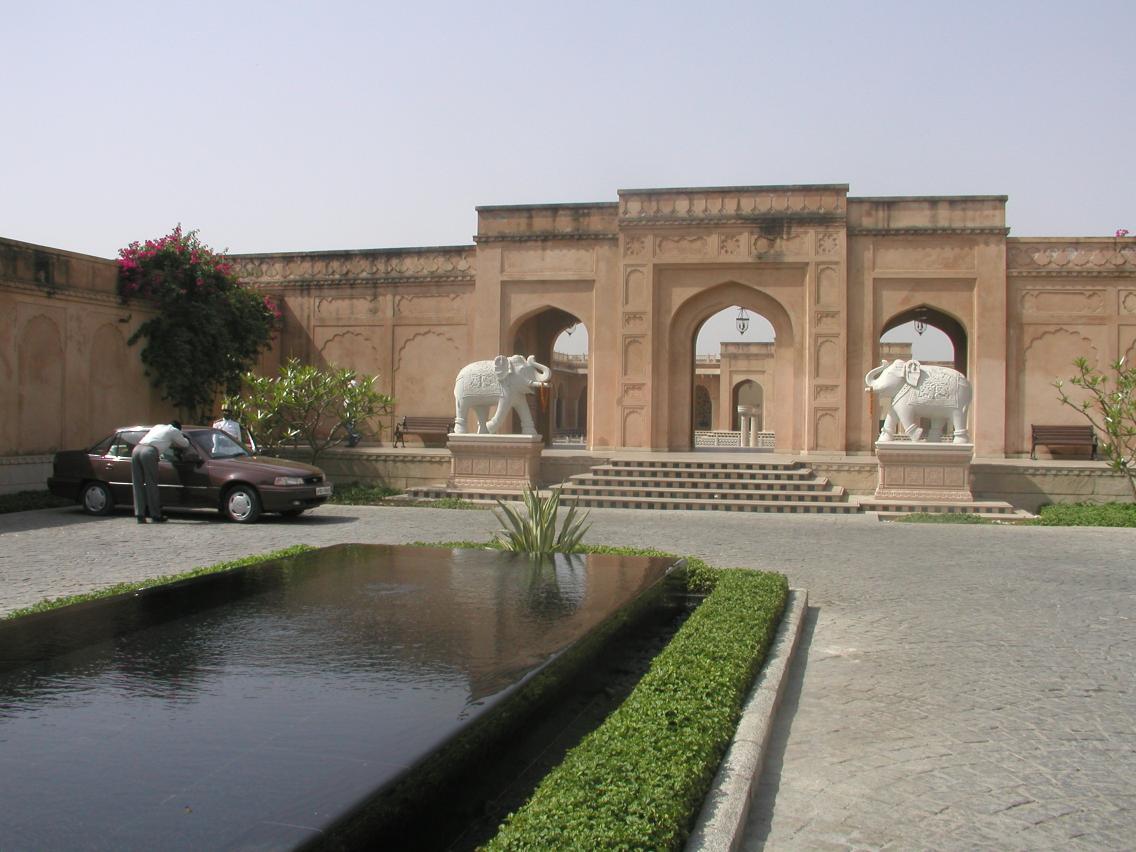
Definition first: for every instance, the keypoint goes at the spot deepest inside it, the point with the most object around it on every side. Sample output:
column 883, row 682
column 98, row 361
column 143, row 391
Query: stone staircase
column 725, row 486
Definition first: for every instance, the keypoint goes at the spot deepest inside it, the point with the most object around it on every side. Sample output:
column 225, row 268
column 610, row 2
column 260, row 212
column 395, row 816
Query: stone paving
column 958, row 687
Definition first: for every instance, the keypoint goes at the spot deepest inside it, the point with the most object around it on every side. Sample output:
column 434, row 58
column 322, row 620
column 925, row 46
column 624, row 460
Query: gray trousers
column 144, row 478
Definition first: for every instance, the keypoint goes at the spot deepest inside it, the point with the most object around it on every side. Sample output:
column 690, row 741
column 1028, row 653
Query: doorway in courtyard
column 924, row 334
column 734, row 355
column 560, row 340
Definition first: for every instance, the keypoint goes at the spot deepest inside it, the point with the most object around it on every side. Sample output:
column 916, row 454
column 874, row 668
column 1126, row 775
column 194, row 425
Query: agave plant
column 533, row 529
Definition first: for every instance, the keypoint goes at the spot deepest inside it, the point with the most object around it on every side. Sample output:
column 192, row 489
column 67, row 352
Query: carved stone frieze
column 1072, row 258
column 635, row 247
column 1062, row 302
column 826, row 393
column 827, row 320
column 732, row 205
column 634, row 393
column 430, row 304
column 791, row 243
column 730, row 245
column 827, row 243
column 635, row 321
column 1128, row 302
column 451, row 264
column 686, row 245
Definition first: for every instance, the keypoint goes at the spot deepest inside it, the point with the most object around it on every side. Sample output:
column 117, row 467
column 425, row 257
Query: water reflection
column 282, row 699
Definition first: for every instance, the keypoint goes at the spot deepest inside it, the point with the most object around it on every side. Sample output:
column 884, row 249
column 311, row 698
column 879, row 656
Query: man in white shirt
column 228, row 425
column 144, row 468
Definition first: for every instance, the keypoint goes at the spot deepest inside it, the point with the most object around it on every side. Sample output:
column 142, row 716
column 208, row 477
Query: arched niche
column 951, row 326
column 536, row 333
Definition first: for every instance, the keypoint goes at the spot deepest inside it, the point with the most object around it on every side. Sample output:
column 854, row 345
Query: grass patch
column 1087, row 515
column 25, row 501
column 943, row 518
column 125, row 588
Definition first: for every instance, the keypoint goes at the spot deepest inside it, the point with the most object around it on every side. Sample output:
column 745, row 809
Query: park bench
column 423, row 427
column 1064, row 436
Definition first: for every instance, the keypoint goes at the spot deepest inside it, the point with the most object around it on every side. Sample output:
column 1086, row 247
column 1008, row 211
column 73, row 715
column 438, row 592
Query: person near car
column 144, row 468
column 228, row 425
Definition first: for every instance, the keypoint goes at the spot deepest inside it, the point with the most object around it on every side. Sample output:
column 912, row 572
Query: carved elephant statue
column 915, row 391
column 502, row 382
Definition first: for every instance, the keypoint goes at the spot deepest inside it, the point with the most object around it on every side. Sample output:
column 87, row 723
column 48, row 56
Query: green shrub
column 534, row 530
column 23, row 501
column 638, row 780
column 1087, row 515
column 359, row 494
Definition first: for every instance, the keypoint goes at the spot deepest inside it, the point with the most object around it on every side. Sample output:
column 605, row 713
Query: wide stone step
column 814, row 484
column 720, row 505
column 574, row 489
column 994, row 509
column 675, row 464
column 727, row 472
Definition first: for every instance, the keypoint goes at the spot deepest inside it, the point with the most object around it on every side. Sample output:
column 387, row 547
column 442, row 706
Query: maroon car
column 215, row 472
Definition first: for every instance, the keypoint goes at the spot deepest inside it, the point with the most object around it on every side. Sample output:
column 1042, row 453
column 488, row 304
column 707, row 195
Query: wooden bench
column 1064, row 436
column 422, row 426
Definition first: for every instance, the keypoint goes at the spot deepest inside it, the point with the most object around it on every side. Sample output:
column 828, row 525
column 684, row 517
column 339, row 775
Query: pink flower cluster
column 1122, row 232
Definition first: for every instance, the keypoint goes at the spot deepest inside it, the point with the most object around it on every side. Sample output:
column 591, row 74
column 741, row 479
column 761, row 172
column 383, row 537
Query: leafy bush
column 1087, row 515
column 305, row 405
column 534, row 530
column 209, row 327
column 637, row 781
column 23, row 501
column 358, row 494
column 1111, row 411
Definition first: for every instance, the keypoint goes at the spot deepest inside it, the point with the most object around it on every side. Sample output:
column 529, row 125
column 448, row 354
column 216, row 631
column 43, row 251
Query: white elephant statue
column 915, row 391
column 502, row 382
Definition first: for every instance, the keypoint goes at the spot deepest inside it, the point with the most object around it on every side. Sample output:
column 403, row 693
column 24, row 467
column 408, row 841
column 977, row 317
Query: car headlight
column 288, row 480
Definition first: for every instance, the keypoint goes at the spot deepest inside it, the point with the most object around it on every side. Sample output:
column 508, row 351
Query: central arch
column 788, row 414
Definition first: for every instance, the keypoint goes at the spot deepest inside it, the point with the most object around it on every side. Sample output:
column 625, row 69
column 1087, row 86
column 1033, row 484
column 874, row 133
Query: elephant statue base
column 502, row 464
column 924, row 472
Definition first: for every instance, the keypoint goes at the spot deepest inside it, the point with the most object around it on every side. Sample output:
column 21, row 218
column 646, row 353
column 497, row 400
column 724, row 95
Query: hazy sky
column 290, row 126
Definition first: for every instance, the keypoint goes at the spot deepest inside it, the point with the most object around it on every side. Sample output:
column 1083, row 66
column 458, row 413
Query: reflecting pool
column 273, row 705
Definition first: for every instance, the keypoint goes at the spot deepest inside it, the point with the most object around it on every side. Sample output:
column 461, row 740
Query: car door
column 113, row 467
column 194, row 473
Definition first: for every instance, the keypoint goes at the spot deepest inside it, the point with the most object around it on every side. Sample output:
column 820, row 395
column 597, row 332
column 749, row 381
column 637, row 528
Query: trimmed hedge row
column 638, row 781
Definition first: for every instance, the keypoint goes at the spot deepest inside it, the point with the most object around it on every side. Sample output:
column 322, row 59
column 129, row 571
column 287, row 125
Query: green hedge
column 638, row 781
column 1087, row 515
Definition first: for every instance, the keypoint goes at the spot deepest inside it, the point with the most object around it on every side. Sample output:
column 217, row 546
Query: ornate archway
column 936, row 318
column 536, row 334
column 788, row 413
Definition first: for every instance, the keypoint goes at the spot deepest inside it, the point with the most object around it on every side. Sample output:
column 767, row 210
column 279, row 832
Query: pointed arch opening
column 559, row 339
column 767, row 362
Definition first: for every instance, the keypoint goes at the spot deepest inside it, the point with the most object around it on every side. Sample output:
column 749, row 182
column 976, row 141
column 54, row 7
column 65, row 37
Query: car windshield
column 219, row 445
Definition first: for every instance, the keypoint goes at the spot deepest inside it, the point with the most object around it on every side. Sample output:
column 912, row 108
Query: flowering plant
column 209, row 328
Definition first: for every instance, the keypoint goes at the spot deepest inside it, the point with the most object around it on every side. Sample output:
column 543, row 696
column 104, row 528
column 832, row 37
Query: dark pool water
column 259, row 711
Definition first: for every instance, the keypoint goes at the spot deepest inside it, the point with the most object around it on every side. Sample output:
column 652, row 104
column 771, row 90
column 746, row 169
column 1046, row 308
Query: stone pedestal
column 494, row 462
column 919, row 470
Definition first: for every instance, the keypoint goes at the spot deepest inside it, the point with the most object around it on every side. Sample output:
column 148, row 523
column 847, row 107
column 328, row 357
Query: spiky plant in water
column 533, row 529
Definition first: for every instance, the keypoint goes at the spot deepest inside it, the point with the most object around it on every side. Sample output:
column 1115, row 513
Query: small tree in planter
column 209, row 328
column 315, row 408
column 1111, row 409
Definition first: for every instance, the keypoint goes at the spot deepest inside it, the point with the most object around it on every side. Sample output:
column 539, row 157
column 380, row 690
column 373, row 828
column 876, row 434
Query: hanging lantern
column 742, row 321
column 921, row 321
column 571, row 329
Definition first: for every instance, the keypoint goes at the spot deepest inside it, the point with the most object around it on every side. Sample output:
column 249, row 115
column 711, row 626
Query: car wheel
column 291, row 513
column 241, row 504
column 96, row 499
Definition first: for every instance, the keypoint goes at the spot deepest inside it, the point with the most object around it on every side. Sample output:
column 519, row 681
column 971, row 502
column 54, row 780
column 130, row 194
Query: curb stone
column 721, row 823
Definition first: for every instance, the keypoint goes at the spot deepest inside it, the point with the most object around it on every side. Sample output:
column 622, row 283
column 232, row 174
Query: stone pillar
column 747, row 423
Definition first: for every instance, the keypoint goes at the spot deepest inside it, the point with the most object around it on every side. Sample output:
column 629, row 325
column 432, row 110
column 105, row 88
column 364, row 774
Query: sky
column 295, row 126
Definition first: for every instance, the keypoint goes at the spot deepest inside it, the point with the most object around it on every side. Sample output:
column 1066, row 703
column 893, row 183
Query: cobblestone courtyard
column 957, row 687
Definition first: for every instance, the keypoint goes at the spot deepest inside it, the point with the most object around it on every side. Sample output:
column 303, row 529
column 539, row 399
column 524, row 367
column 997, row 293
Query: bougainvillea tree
column 209, row 328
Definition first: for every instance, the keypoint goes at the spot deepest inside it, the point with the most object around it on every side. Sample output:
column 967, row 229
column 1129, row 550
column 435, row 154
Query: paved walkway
column 958, row 687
